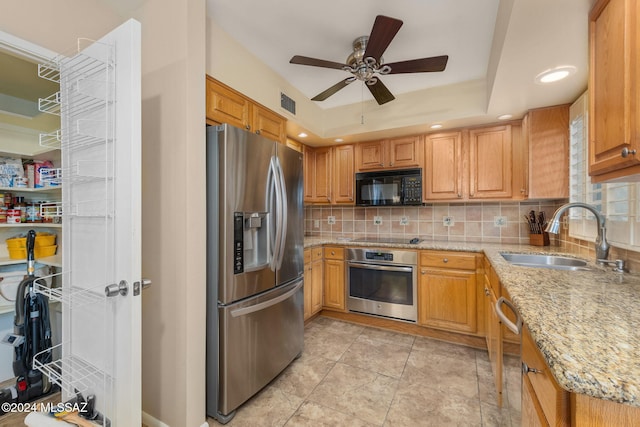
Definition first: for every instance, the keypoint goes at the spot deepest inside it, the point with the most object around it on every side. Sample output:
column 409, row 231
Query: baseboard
column 150, row 421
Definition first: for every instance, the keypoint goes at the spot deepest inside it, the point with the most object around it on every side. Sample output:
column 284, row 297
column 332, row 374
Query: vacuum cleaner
column 31, row 336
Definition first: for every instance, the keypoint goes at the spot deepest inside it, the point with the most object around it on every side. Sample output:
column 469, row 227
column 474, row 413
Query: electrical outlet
column 316, row 223
column 404, row 221
column 377, row 220
column 331, row 220
column 448, row 221
column 499, row 221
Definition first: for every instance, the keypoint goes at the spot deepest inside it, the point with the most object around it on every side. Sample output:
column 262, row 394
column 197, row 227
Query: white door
column 100, row 125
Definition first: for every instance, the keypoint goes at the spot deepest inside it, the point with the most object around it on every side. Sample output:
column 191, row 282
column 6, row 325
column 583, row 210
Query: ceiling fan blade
column 333, row 89
column 383, row 31
column 305, row 60
column 380, row 92
column 424, row 65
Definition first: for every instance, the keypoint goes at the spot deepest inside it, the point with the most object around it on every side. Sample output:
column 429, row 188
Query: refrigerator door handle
column 266, row 304
column 282, row 214
column 274, row 180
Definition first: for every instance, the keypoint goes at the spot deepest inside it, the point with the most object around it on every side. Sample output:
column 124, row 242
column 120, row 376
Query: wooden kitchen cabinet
column 447, row 294
column 334, row 280
column 493, row 335
column 443, row 176
column 329, row 175
column 544, row 402
column 313, row 281
column 490, row 163
column 547, row 134
column 226, row 105
column 397, row 153
column 614, row 91
column 317, row 174
column 343, row 175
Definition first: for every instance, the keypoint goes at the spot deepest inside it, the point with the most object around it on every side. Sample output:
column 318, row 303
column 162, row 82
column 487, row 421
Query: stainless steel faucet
column 602, row 247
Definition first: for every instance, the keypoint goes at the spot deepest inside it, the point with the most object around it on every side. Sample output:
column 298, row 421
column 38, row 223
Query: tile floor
column 352, row 375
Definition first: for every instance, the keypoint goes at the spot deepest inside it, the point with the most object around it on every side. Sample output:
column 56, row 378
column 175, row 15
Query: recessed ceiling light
column 302, row 135
column 555, row 74
column 338, row 140
column 505, row 117
column 436, row 126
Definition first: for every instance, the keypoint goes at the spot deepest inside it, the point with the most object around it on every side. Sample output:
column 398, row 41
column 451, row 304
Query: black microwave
column 389, row 188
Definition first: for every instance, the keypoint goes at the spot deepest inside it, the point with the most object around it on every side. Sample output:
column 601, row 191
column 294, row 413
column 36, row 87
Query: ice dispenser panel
column 250, row 241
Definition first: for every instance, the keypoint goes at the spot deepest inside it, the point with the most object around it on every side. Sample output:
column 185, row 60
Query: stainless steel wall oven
column 382, row 282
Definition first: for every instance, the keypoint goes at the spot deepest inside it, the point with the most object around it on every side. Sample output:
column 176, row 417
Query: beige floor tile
column 303, row 375
column 269, row 408
column 311, row 414
column 327, row 344
column 389, row 337
column 377, row 356
column 358, row 392
column 419, row 404
column 492, row 416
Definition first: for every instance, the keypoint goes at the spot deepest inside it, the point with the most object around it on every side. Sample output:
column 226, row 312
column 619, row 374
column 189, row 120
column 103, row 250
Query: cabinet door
column 532, row 415
column 614, row 109
column 226, row 106
column 490, row 163
column 447, row 300
column 404, row 152
column 494, row 340
column 268, row 124
column 316, row 286
column 442, row 174
column 343, row 174
column 317, row 175
column 370, row 156
column 334, row 290
column 308, row 284
column 548, row 134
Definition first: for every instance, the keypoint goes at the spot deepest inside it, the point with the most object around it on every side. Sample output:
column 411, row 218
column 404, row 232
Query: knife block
column 539, row 239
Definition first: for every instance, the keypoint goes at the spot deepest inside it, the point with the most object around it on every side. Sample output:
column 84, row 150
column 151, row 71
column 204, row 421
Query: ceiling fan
column 366, row 62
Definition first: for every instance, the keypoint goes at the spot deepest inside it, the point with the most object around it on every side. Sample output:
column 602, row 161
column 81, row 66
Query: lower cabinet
column 493, row 337
column 447, row 293
column 544, row 402
column 313, row 281
column 334, row 282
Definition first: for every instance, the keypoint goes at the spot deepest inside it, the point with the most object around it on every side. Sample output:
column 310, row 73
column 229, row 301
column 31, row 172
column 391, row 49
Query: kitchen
column 175, row 49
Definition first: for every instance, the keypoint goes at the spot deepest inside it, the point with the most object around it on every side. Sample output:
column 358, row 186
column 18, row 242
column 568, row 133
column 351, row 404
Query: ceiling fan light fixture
column 555, row 74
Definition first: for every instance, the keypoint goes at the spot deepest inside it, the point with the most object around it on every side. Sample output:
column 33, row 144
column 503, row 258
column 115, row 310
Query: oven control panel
column 379, row 256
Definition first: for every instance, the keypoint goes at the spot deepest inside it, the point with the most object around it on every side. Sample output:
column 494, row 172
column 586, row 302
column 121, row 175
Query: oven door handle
column 381, row 267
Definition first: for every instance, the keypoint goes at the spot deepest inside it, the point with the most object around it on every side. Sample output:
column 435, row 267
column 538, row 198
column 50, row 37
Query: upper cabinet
column 225, row 105
column 490, row 163
column 547, row 133
column 398, row 153
column 442, row 178
column 614, row 95
column 329, row 175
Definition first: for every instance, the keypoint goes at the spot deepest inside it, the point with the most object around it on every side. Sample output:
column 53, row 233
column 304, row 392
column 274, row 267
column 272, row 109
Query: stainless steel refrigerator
column 254, row 265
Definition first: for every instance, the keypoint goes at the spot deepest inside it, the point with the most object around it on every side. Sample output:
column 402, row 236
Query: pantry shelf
column 55, row 189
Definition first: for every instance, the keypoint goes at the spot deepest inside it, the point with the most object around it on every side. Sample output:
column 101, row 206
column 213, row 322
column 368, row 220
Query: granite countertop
column 585, row 323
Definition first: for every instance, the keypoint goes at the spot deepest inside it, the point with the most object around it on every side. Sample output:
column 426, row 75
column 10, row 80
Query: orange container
column 42, row 239
column 38, row 252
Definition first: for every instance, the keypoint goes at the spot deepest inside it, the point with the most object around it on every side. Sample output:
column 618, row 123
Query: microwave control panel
column 412, row 187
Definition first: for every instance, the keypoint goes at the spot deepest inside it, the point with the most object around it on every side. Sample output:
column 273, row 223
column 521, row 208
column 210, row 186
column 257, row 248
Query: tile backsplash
column 494, row 222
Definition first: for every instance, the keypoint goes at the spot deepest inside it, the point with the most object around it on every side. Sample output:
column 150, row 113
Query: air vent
column 287, row 103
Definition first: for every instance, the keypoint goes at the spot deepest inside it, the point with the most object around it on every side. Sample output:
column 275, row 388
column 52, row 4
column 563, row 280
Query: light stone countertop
column 585, row 323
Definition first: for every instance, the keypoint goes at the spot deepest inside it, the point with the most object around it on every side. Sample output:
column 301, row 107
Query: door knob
column 136, row 286
column 114, row 289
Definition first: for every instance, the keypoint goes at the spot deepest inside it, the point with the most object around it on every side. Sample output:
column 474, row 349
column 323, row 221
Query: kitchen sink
column 557, row 262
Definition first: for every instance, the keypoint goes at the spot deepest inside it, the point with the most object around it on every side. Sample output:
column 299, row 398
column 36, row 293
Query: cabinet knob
column 459, row 195
column 445, row 260
column 423, row 272
column 381, row 164
column 258, row 132
column 486, row 291
column 247, row 127
column 526, row 369
column 626, row 152
column 391, row 164
column 333, row 253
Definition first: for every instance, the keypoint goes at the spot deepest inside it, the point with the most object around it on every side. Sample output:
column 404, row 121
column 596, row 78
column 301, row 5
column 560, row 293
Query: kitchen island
column 586, row 324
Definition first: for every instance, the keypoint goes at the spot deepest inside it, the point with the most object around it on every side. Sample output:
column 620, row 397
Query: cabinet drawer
column 316, row 253
column 552, row 398
column 454, row 260
column 334, row 253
